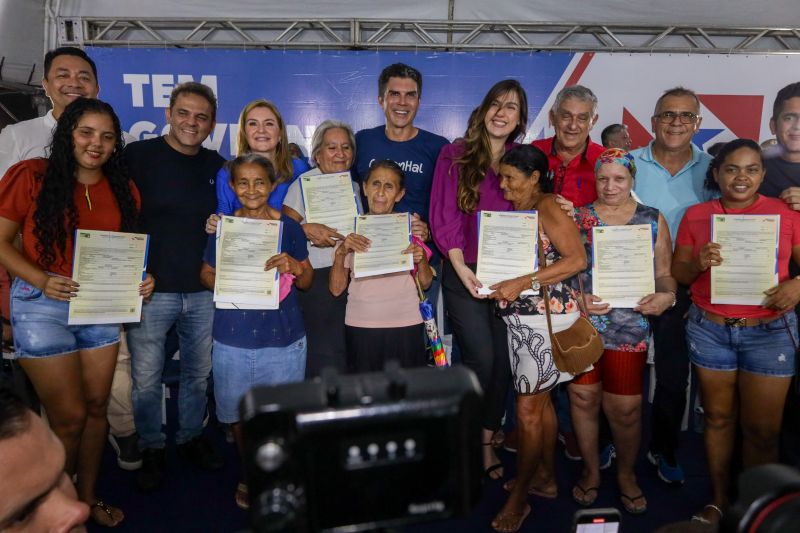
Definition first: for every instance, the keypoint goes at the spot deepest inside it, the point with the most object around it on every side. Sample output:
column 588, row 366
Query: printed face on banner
column 786, row 128
column 675, row 135
column 190, row 122
column 400, row 102
column 573, row 121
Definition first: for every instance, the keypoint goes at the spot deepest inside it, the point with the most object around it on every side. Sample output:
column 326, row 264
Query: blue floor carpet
column 191, row 500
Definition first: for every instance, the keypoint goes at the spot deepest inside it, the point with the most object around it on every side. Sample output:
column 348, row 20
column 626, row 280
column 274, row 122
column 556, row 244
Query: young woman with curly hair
column 465, row 181
column 81, row 185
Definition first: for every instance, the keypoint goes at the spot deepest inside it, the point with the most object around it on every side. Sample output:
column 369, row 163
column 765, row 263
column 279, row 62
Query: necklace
column 86, row 194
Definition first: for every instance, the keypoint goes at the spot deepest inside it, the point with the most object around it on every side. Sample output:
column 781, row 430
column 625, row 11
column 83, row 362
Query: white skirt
column 532, row 365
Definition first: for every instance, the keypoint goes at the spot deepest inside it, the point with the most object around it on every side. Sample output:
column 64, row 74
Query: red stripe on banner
column 580, row 68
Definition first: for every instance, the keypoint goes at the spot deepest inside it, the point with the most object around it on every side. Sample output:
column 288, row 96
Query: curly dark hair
column 56, row 198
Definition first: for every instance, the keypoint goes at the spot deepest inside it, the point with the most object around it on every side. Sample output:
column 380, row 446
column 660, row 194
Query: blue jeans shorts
column 40, row 325
column 237, row 370
column 765, row 350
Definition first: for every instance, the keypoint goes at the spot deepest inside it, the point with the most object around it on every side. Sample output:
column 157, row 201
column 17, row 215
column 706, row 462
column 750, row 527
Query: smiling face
column 786, row 128
column 336, row 152
column 518, row 187
column 614, row 183
column 93, row 141
column 502, row 117
column 674, row 135
column 190, row 121
column 573, row 120
column 739, row 176
column 400, row 102
column 262, row 130
column 382, row 190
column 252, row 185
column 69, row 78
column 36, row 494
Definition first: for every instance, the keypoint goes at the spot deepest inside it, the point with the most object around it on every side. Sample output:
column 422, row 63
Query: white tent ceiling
column 27, row 26
column 717, row 12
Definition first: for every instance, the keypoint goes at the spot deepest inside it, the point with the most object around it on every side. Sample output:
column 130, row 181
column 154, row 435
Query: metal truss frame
column 444, row 35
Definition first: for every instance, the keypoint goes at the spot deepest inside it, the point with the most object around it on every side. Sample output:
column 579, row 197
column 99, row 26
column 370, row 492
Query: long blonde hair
column 282, row 159
column 477, row 157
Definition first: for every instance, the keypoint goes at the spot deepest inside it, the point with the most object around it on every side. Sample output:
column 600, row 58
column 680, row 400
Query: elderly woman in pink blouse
column 465, row 181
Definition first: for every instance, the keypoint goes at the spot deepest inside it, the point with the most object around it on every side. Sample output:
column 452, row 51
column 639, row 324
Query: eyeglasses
column 686, row 117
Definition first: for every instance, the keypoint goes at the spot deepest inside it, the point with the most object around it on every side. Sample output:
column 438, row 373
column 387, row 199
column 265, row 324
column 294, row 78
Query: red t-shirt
column 19, row 191
column 695, row 231
column 574, row 181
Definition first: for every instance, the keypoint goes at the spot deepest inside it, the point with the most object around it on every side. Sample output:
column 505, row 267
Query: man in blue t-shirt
column 414, row 149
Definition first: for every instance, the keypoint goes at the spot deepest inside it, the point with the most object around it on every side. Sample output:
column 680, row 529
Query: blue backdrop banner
column 311, row 86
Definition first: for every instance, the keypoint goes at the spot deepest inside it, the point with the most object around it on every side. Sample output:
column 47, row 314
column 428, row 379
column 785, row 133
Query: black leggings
column 483, row 341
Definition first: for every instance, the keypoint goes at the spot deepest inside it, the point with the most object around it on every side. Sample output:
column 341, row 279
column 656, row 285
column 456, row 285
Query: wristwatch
column 535, row 285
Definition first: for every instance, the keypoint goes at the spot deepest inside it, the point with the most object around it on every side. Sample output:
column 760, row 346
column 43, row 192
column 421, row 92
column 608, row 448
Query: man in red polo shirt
column 571, row 152
column 572, row 155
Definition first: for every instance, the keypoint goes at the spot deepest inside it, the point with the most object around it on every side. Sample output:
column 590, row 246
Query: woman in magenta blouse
column 465, row 181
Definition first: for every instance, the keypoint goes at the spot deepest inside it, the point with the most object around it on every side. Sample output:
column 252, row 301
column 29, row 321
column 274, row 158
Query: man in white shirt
column 68, row 74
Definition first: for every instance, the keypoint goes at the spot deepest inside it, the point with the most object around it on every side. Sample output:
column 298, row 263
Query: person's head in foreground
column 35, row 492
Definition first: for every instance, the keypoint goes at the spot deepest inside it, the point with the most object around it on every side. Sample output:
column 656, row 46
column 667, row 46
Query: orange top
column 19, row 191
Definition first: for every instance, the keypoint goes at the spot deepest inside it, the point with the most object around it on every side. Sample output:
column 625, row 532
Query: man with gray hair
column 571, row 153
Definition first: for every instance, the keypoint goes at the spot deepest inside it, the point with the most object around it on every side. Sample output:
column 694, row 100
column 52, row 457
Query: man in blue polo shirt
column 670, row 172
column 414, row 149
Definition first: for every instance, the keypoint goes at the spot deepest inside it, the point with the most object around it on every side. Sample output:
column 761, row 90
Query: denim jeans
column 765, row 350
column 237, row 370
column 193, row 315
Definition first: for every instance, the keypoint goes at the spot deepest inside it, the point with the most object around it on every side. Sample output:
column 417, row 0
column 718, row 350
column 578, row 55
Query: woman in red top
column 743, row 350
column 81, row 185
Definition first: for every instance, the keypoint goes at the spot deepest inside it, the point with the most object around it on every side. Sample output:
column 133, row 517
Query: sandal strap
column 103, row 506
column 716, row 508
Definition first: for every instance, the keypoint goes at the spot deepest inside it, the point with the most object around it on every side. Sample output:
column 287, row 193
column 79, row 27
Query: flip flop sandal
column 103, row 506
column 521, row 516
column 584, row 500
column 703, row 520
column 242, row 496
column 629, row 503
column 533, row 491
column 488, row 472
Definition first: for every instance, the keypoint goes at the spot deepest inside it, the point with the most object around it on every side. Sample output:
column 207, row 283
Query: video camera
column 358, row 452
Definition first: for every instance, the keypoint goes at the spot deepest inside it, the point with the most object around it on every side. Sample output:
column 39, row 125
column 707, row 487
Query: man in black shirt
column 175, row 176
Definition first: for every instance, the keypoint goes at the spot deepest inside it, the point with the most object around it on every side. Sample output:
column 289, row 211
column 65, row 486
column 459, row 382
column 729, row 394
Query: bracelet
column 674, row 299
